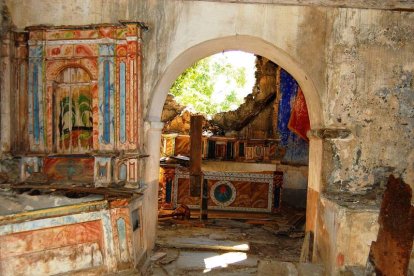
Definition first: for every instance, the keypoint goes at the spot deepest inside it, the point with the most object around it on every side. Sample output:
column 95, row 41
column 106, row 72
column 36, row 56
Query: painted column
column 5, row 88
column 36, row 95
column 314, row 185
column 21, row 143
column 152, row 167
column 106, row 105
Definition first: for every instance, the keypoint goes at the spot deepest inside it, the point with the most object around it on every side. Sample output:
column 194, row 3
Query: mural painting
column 73, row 115
column 83, row 96
column 293, row 121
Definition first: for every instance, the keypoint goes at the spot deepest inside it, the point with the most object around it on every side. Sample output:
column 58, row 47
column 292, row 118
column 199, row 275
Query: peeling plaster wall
column 344, row 235
column 9, row 166
column 371, row 91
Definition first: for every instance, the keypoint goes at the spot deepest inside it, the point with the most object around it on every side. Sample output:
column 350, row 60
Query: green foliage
column 85, row 109
column 67, row 110
column 195, row 87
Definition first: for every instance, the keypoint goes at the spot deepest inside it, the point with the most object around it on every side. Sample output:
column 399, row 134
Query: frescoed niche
column 83, row 88
column 73, row 120
column 79, row 96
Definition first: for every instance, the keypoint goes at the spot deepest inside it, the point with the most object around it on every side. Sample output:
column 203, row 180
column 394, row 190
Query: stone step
column 276, row 268
column 203, row 243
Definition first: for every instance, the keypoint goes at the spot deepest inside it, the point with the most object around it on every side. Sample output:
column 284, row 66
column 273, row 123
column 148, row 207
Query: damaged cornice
column 393, row 5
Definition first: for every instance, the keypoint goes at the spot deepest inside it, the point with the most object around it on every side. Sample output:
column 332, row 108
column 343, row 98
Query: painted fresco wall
column 78, row 94
column 99, row 236
column 293, row 121
column 83, row 88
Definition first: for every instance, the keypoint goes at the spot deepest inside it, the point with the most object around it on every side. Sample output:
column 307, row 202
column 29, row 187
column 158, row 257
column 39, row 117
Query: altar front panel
column 252, row 192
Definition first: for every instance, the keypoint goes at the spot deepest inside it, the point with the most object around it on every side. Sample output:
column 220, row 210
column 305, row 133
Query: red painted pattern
column 299, row 119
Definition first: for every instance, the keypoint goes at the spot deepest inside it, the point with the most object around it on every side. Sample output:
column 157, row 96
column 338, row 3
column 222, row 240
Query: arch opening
column 258, row 47
column 248, row 44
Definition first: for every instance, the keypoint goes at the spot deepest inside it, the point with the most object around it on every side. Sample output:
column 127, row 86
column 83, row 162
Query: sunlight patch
column 223, row 260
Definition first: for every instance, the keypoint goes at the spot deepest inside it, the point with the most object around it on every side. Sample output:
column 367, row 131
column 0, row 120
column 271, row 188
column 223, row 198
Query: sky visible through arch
column 217, row 83
column 237, row 59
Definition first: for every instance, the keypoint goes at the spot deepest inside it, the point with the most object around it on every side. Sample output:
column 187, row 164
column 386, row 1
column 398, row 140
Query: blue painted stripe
column 36, row 114
column 122, row 172
column 107, row 104
column 121, row 233
column 288, row 90
column 122, row 105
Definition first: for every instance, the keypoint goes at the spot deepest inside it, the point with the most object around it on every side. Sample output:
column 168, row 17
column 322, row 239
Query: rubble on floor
column 14, row 201
column 222, row 246
column 271, row 268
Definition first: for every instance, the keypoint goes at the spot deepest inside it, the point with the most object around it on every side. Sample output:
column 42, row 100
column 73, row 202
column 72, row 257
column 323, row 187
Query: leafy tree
column 197, row 86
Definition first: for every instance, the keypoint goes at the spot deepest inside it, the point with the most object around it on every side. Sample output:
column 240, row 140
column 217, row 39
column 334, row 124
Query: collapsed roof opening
column 217, row 83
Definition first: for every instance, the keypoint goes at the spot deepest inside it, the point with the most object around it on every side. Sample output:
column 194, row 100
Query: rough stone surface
column 10, row 169
column 371, row 91
column 171, row 109
column 253, row 119
column 273, row 268
column 256, row 112
column 390, row 253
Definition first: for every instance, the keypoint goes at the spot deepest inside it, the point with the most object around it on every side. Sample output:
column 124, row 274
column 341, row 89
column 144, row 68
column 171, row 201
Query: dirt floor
column 223, row 246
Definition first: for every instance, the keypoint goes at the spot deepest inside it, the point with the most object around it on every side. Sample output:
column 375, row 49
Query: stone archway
column 247, row 44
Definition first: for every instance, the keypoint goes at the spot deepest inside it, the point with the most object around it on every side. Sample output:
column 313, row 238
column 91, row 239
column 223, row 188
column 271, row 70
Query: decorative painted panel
column 229, row 191
column 122, row 103
column 81, row 96
column 35, row 99
column 127, row 116
column 79, row 169
column 95, row 235
column 103, row 171
column 109, row 55
column 28, row 166
column 106, row 99
column 53, row 247
column 133, row 171
column 73, row 111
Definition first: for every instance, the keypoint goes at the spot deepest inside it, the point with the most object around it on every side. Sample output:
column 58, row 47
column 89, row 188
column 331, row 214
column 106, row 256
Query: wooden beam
column 204, row 200
column 196, row 125
column 105, row 191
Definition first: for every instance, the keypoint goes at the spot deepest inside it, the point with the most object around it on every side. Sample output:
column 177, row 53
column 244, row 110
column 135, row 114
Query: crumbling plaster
column 371, row 91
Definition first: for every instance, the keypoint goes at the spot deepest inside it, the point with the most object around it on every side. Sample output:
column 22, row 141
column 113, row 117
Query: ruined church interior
column 105, row 170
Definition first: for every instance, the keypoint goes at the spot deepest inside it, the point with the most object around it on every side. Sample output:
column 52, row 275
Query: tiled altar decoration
column 230, row 191
column 79, row 94
column 223, row 148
